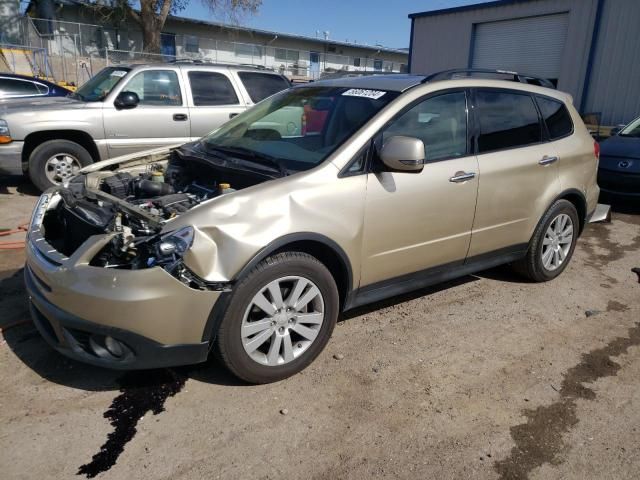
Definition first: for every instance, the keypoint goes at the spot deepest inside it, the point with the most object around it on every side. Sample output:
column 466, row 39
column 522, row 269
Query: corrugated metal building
column 591, row 48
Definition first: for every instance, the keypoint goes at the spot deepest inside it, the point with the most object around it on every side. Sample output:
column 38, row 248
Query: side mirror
column 126, row 100
column 403, row 154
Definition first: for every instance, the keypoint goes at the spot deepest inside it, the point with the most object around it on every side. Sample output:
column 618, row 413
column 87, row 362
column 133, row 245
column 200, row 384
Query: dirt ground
column 487, row 377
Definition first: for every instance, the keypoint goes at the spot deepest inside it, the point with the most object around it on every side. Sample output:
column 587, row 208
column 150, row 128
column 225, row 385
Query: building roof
column 473, row 6
column 393, row 82
column 374, row 48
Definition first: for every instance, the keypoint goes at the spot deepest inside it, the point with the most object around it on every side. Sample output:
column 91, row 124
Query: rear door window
column 42, row 89
column 262, row 85
column 556, row 117
column 211, row 88
column 506, row 120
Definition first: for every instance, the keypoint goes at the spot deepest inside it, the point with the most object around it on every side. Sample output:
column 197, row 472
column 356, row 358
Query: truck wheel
column 552, row 244
column 279, row 319
column 54, row 161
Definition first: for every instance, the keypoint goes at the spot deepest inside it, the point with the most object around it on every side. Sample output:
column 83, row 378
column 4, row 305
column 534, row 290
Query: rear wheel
column 54, row 161
column 279, row 319
column 552, row 244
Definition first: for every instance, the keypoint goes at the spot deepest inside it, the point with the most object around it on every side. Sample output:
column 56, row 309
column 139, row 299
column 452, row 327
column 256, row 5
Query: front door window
column 440, row 122
column 156, row 87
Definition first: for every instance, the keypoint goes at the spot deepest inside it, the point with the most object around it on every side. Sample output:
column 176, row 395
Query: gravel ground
column 486, row 377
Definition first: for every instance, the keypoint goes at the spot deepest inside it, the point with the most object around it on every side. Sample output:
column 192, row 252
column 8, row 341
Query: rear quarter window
column 507, row 120
column 262, row 85
column 556, row 117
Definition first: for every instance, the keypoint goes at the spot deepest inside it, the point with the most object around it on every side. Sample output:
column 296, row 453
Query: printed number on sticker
column 361, row 92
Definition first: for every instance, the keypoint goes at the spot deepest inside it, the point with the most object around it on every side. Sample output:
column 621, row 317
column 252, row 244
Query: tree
column 153, row 14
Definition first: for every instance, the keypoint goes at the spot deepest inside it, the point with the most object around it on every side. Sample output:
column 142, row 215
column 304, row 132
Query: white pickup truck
column 125, row 109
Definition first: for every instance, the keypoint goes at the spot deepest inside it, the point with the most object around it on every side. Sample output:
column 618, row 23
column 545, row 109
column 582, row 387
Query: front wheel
column 54, row 161
column 279, row 319
column 552, row 244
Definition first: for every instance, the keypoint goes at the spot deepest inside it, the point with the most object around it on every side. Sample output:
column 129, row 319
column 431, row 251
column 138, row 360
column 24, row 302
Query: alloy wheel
column 282, row 320
column 557, row 242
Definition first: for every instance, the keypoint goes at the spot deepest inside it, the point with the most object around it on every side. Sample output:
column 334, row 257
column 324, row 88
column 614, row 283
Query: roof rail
column 197, row 61
column 467, row 72
column 352, row 73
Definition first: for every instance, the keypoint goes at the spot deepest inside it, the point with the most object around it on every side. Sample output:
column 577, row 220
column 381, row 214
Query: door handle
column 460, row 177
column 547, row 160
column 231, row 115
column 180, row 117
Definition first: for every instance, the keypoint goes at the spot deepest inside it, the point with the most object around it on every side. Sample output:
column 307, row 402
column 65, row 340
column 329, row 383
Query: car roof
column 28, row 78
column 403, row 82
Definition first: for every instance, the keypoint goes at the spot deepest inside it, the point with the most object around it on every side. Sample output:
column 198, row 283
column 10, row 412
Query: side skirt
column 431, row 276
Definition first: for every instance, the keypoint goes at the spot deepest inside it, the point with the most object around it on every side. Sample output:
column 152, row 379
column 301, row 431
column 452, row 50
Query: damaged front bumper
column 124, row 319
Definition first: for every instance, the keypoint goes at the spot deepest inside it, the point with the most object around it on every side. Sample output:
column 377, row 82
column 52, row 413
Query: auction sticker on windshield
column 118, row 73
column 361, row 92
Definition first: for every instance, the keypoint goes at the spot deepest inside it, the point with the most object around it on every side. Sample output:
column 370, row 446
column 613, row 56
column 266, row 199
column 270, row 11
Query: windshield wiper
column 77, row 96
column 248, row 154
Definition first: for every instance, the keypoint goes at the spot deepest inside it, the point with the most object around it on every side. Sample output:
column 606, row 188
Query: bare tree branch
column 153, row 14
column 164, row 11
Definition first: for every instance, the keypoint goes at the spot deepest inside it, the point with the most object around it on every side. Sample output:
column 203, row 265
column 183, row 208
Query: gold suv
column 321, row 198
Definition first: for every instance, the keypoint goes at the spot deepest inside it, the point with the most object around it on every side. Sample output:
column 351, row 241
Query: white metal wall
column 533, row 45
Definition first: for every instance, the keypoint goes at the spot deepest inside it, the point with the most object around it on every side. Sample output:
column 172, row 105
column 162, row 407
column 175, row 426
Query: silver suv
column 125, row 109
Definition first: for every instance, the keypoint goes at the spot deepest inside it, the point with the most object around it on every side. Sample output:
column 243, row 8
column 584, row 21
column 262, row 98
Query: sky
column 372, row 22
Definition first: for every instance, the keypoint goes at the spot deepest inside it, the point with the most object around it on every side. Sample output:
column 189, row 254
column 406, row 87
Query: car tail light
column 596, row 150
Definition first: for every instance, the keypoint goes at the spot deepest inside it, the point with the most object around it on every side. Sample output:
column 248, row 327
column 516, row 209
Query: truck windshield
column 99, row 86
column 300, row 127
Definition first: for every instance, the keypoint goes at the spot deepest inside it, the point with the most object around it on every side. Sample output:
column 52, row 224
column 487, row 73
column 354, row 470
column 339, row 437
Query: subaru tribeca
column 324, row 197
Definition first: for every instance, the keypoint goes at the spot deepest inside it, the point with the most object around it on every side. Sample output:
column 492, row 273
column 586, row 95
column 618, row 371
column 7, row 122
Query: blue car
column 619, row 170
column 22, row 86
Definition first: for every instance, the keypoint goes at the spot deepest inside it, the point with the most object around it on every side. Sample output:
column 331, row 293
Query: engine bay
column 134, row 204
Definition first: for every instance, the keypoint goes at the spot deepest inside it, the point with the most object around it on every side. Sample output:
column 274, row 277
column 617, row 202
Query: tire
column 61, row 158
column 288, row 270
column 533, row 265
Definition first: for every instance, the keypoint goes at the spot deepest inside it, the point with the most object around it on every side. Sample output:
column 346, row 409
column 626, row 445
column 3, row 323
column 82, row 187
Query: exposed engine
column 134, row 205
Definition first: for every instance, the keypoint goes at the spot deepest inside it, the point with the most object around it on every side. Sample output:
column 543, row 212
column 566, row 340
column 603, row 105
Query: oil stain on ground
column 539, row 441
column 602, row 250
column 140, row 392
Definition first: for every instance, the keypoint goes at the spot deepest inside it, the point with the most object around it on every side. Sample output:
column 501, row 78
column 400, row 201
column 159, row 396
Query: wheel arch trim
column 81, row 137
column 297, row 238
column 280, row 244
column 570, row 194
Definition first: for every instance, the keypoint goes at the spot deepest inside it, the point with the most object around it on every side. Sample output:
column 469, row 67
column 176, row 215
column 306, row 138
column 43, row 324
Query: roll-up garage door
column 532, row 45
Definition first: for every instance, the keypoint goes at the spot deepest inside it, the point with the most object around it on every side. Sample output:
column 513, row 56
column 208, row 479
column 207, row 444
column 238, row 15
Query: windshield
column 632, row 130
column 300, row 127
column 99, row 86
